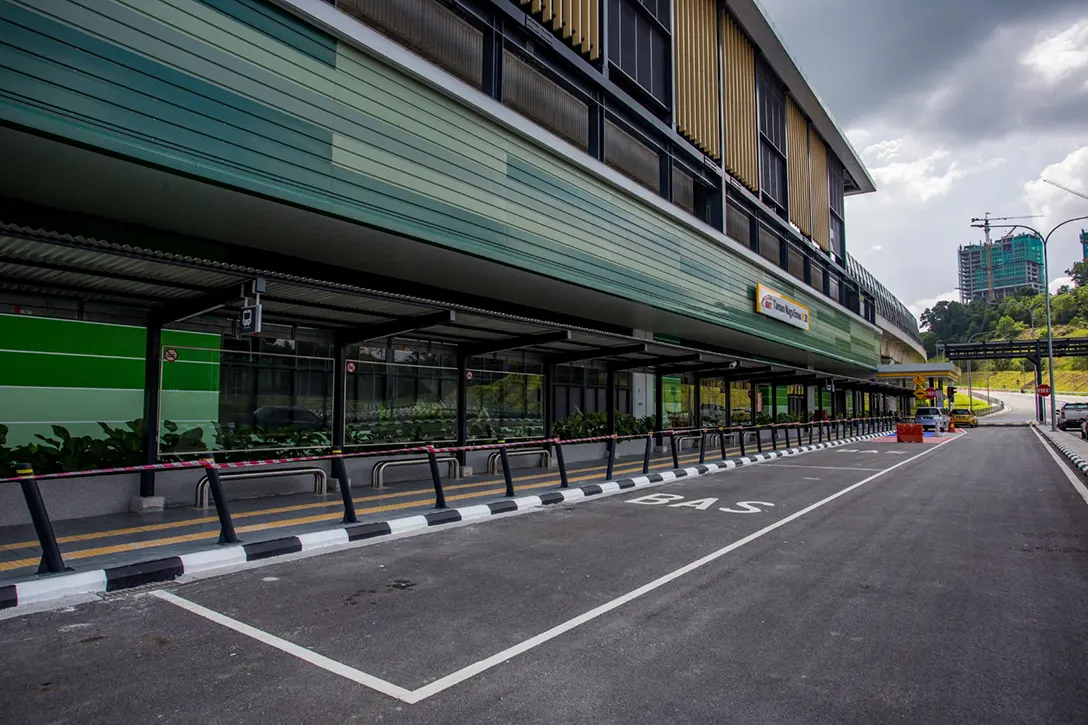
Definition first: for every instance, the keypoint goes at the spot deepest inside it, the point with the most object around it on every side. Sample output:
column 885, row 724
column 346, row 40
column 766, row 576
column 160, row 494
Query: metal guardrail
column 212, row 482
column 321, row 479
column 377, row 474
column 493, row 459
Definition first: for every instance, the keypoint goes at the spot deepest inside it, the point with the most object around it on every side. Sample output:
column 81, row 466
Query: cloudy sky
column 958, row 107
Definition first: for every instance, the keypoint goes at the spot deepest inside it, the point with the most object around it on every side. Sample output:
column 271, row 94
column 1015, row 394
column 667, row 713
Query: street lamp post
column 1046, row 295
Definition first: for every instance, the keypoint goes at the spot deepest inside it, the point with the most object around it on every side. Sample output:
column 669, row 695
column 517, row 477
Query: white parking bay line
column 465, row 673
column 825, row 468
column 337, row 668
column 476, row 668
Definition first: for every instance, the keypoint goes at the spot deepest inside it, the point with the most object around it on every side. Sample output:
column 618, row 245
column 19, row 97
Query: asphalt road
column 879, row 583
column 1021, row 406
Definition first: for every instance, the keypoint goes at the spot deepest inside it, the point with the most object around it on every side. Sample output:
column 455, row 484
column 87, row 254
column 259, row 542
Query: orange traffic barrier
column 909, row 433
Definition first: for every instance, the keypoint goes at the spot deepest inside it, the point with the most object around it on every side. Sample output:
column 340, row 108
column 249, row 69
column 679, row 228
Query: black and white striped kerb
column 169, row 568
column 1067, row 451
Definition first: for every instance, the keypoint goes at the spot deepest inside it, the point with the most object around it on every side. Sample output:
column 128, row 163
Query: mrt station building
column 246, row 226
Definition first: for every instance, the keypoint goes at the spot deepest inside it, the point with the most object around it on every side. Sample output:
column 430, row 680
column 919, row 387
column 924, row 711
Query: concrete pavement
column 874, row 583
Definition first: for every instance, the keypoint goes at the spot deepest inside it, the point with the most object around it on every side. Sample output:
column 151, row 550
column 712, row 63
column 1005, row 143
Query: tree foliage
column 1007, row 318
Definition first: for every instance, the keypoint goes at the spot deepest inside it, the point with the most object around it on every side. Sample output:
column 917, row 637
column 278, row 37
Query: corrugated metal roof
column 49, row 262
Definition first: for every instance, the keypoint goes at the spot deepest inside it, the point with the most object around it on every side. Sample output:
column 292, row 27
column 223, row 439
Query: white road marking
column 485, row 664
column 809, row 478
column 337, row 668
column 1073, row 478
column 826, row 468
column 747, row 507
column 465, row 673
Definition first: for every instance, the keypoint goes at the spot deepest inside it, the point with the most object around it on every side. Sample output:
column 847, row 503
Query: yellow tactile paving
column 493, row 488
column 210, row 517
column 201, row 535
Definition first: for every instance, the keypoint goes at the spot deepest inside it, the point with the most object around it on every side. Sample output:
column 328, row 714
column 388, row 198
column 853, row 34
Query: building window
column 531, row 93
column 770, row 246
column 639, row 46
column 817, row 277
column 772, row 139
column 427, row 28
column 795, row 263
column 837, row 206
column 834, row 291
column 631, row 157
column 737, row 224
column 683, row 190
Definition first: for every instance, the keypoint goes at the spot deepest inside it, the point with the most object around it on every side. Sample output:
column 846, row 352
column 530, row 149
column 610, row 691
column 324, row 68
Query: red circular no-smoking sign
column 351, row 367
column 931, row 393
column 170, row 355
column 1043, row 390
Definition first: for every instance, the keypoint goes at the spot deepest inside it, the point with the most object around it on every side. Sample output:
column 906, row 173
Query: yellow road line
column 200, row 535
column 211, row 519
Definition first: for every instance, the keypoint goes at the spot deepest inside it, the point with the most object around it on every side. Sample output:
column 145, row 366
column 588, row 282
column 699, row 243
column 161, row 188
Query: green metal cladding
column 242, row 93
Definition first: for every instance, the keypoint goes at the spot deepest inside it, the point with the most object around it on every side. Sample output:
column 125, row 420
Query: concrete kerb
column 1066, row 450
column 222, row 559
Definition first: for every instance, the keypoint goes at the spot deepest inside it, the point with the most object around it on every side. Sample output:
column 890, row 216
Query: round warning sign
column 351, row 367
column 170, row 355
column 468, row 375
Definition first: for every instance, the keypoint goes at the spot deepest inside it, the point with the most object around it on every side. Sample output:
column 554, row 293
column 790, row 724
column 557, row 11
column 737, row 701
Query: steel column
column 462, row 406
column 152, row 403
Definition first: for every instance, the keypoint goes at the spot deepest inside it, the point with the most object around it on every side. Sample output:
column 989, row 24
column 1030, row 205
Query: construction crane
column 983, row 223
column 1066, row 188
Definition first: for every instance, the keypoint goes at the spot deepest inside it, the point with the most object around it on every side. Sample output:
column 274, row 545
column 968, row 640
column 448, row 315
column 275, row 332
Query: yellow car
column 964, row 418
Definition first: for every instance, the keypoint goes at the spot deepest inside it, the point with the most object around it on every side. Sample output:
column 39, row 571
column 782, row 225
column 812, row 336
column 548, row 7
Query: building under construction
column 1001, row 268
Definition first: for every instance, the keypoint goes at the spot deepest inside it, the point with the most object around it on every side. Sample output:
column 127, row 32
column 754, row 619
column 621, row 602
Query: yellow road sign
column 920, row 394
column 919, row 380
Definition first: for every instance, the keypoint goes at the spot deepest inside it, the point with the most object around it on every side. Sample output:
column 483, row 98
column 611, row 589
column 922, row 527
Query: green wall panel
column 240, row 93
column 74, row 373
column 280, row 25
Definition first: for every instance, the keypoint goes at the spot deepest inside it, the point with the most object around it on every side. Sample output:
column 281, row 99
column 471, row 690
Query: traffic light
column 952, row 394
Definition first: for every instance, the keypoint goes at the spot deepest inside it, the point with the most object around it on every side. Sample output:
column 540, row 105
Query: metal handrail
column 321, row 481
column 377, row 474
column 493, row 459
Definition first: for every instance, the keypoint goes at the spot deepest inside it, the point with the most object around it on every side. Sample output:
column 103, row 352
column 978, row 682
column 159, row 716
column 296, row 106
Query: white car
column 931, row 418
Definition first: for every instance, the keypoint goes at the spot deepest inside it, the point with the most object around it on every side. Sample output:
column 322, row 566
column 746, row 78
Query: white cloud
column 920, row 180
column 1060, row 282
column 1056, row 56
column 1056, row 205
column 875, row 248
column 918, row 306
column 884, row 151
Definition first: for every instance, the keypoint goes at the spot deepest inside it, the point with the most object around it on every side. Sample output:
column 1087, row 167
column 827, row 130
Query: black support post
column 612, row 444
column 549, row 400
column 610, row 385
column 507, row 477
column 697, row 402
column 152, row 403
column 52, row 562
column 226, row 524
column 646, row 454
column 436, row 479
column 462, row 406
column 659, row 408
column 563, row 483
column 339, row 432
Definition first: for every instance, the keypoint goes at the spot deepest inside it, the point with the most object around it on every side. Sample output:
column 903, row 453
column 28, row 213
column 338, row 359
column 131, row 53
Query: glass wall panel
column 266, row 402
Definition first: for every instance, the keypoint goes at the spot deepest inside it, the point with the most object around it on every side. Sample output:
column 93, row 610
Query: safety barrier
column 377, row 474
column 320, row 481
column 493, row 459
column 212, row 481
